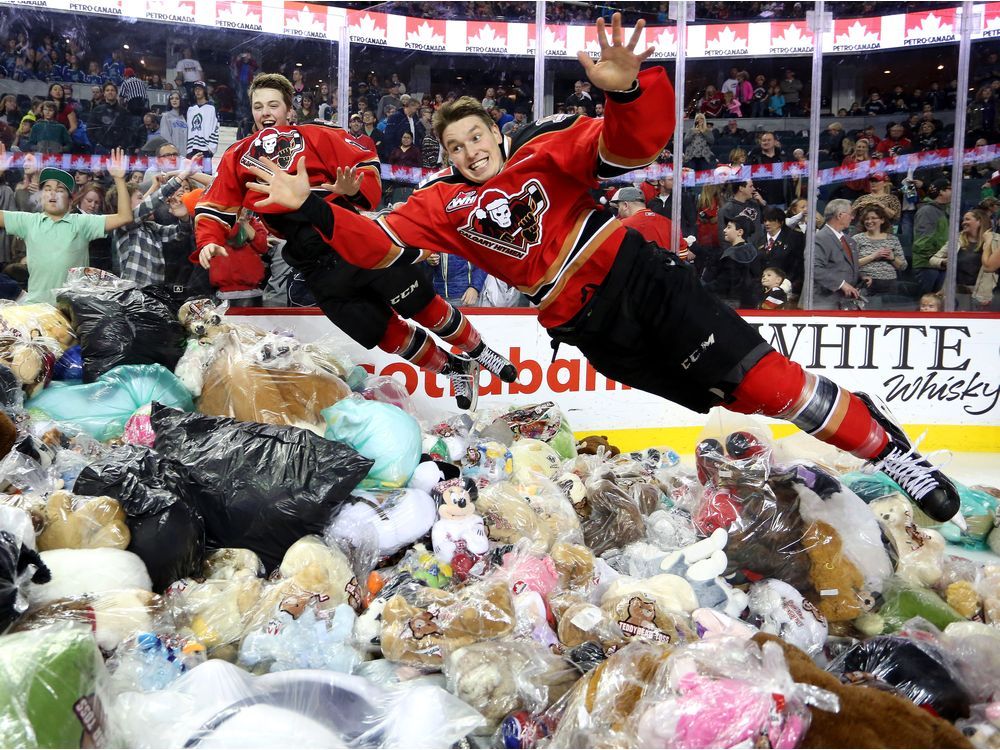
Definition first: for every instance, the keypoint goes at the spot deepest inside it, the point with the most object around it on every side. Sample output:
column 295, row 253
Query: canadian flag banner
column 318, row 20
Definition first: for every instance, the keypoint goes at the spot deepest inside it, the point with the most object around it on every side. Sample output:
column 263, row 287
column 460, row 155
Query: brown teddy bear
column 37, row 321
column 579, row 621
column 76, row 522
column 30, row 361
column 615, row 518
column 838, row 584
column 418, row 628
column 868, row 717
column 575, row 565
column 591, row 444
column 509, row 518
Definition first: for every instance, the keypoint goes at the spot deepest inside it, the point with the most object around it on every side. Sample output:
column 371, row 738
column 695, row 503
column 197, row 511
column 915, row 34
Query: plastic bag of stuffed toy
column 102, row 408
column 262, row 487
column 263, row 377
column 726, row 693
column 379, row 431
column 498, row 677
column 20, row 564
column 545, row 422
column 385, row 520
column 48, row 689
column 158, row 497
column 39, row 320
column 123, row 327
column 911, row 663
column 219, row 705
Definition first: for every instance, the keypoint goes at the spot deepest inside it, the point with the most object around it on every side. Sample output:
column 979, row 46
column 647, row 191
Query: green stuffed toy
column 47, row 686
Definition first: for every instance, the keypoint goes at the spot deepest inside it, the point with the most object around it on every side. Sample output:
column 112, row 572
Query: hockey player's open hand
column 280, row 187
column 619, row 64
column 348, row 182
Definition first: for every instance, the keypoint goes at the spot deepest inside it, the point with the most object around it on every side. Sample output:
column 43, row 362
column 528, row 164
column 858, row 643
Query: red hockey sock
column 412, row 344
column 778, row 387
column 448, row 322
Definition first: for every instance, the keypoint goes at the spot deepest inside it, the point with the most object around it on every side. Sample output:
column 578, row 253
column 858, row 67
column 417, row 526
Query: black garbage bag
column 915, row 670
column 262, row 487
column 158, row 496
column 15, row 559
column 124, row 327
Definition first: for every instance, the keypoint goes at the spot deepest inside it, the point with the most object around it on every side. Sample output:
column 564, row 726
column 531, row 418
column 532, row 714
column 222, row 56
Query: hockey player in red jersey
column 363, row 303
column 638, row 315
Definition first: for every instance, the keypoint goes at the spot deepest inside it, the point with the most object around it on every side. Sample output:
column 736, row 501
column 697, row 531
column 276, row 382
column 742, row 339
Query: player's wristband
column 319, row 214
column 628, row 95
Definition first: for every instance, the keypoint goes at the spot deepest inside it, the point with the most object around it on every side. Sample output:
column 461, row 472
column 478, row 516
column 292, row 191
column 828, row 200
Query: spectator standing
column 520, row 121
column 630, row 206
column 776, row 104
column 731, row 83
column 712, row 102
column 775, row 192
column 133, row 94
column 371, row 101
column 356, row 131
column 760, row 94
column 783, row 247
column 10, row 113
column 89, row 199
column 49, row 136
column 108, row 124
column 406, row 154
column 203, row 127
column 114, row 69
column 838, row 278
column 57, row 240
column 173, row 123
column 927, row 138
column 579, row 98
column 853, row 189
column 698, row 142
column 735, row 274
column 749, row 204
column 791, row 89
column 744, row 93
column 241, row 72
column 489, row 101
column 455, row 279
column 983, row 116
column 880, row 253
column 404, row 121
column 874, row 105
column 663, row 204
column 392, row 97
column 430, row 151
column 930, row 233
column 65, row 112
column 190, row 71
column 368, row 127
column 831, row 143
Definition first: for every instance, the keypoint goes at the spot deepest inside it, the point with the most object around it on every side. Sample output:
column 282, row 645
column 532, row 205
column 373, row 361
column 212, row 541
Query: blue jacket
column 454, row 275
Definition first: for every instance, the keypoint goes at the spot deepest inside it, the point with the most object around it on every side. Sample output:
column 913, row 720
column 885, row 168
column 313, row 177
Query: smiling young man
column 521, row 209
column 363, row 303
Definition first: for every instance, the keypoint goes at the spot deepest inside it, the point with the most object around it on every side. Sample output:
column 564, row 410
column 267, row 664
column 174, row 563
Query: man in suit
column 838, row 279
column 782, row 246
column 663, row 204
column 405, row 120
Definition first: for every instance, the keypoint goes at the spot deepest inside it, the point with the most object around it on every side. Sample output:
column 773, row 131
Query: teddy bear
column 322, row 570
column 775, row 607
column 839, row 585
column 36, row 321
column 534, row 457
column 919, row 552
column 78, row 522
column 31, row 362
column 592, row 445
column 552, row 507
column 574, row 564
column 615, row 518
column 498, row 677
column 580, row 622
column 509, row 518
column 459, row 535
column 867, row 717
column 702, row 564
column 203, row 319
column 601, row 706
column 418, row 627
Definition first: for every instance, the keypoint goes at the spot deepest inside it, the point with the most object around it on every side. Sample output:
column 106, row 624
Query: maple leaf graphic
column 487, row 37
column 552, row 40
column 163, row 6
column 667, row 40
column 793, row 37
column 993, row 23
column 367, row 27
column 857, row 33
column 239, row 11
column 305, row 19
column 931, row 25
column 727, row 39
column 424, row 35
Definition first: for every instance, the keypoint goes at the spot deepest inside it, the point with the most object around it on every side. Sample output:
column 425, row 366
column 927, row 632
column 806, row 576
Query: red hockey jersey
column 535, row 224
column 324, row 147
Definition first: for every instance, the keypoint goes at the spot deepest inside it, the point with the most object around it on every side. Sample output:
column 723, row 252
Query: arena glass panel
column 883, row 77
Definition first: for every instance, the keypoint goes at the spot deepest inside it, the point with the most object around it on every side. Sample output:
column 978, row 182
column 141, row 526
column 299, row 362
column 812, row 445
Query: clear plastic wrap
column 103, row 407
column 20, row 563
column 611, row 518
column 219, row 705
column 777, row 608
column 382, row 432
column 123, row 327
column 262, row 487
column 533, row 457
column 420, row 623
column 32, row 321
column 915, row 667
column 258, row 377
column 509, row 518
column 499, row 677
column 30, row 361
column 726, row 693
column 919, row 553
column 48, row 689
column 545, row 422
column 901, row 601
column 387, row 520
column 82, row 522
column 300, row 635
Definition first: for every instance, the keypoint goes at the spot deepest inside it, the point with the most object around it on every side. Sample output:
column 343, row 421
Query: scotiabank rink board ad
column 938, row 374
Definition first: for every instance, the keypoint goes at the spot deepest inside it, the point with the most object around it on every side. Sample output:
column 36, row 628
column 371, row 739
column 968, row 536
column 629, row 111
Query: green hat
column 51, row 173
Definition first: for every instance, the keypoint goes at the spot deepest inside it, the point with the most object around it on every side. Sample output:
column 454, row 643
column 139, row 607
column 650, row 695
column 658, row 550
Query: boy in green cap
column 57, row 240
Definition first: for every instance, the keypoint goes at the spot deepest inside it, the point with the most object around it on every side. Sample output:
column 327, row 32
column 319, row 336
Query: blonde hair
column 933, row 298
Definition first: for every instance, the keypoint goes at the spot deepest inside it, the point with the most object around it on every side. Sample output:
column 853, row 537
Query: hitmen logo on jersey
column 278, row 146
column 508, row 224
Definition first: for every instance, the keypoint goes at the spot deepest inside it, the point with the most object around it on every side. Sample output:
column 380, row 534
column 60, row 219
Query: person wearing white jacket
column 203, row 127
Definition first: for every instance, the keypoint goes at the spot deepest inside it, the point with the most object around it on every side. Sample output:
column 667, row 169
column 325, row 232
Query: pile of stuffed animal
column 236, row 538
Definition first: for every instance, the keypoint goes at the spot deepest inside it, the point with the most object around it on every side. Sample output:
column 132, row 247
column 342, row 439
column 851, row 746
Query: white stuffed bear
column 703, row 564
column 920, row 551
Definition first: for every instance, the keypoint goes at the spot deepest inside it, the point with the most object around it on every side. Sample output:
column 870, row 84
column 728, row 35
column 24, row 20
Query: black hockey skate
column 495, row 362
column 464, row 375
column 927, row 485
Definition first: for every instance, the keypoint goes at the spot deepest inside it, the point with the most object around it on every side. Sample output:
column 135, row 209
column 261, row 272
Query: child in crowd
column 931, row 303
column 733, row 276
column 776, row 288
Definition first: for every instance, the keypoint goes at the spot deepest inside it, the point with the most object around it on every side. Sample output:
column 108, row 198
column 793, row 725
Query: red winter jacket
column 242, row 268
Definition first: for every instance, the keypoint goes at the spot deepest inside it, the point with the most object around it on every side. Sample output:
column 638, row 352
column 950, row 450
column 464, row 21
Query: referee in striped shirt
column 133, row 89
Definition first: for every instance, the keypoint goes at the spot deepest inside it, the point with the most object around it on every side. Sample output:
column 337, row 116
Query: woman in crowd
column 10, row 112
column 173, row 123
column 698, row 144
column 65, row 113
column 978, row 249
column 879, row 253
column 854, row 189
column 406, row 155
column 927, row 138
column 89, row 199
